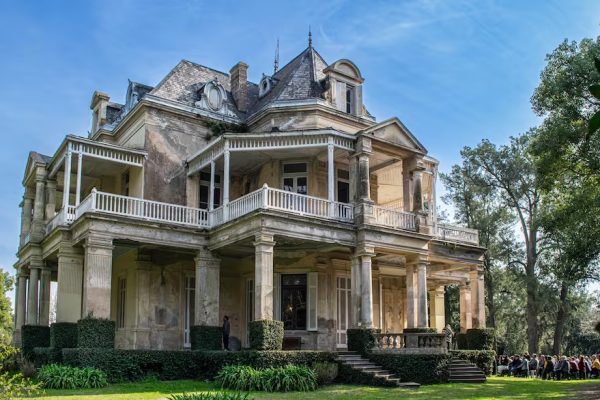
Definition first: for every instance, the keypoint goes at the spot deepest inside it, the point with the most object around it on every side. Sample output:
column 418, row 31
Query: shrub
column 33, row 336
column 46, row 355
column 361, row 340
column 420, row 368
column 326, row 372
column 484, row 359
column 27, row 368
column 54, row 376
column 282, row 379
column 461, row 341
column 210, row 362
column 206, row 337
column 63, row 335
column 14, row 386
column 211, row 396
column 266, row 335
column 96, row 333
column 9, row 357
column 480, row 339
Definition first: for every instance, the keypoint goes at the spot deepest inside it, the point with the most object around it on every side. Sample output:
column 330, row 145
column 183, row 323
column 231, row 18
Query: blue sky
column 454, row 72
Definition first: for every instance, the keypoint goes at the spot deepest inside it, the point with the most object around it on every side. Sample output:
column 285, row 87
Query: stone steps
column 462, row 371
column 379, row 375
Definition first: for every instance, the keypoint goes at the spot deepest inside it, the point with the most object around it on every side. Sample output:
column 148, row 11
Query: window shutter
column 340, row 92
column 313, row 279
column 277, row 296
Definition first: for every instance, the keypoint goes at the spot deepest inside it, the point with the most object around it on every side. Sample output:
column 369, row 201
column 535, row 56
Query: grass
column 495, row 388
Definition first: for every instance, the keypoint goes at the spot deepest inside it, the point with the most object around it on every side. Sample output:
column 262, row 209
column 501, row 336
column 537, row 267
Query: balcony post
column 79, row 173
column 67, row 181
column 331, row 176
column 50, row 199
column 226, row 181
column 363, row 203
column 38, row 220
column 26, row 215
column 211, row 189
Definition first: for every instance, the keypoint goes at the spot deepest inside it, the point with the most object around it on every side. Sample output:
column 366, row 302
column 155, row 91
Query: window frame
column 343, row 180
column 282, row 302
column 206, row 183
column 295, row 175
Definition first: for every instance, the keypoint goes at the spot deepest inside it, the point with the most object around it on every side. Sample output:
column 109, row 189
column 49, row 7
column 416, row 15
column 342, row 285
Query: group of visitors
column 550, row 367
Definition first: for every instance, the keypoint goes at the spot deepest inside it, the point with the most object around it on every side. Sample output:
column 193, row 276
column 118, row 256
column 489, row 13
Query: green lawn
column 495, row 388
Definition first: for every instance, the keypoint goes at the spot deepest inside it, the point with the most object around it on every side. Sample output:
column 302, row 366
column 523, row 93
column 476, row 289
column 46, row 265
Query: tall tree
column 478, row 206
column 509, row 171
column 6, row 320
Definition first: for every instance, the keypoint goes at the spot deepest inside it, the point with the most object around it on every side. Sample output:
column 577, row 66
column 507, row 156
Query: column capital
column 263, row 238
column 417, row 260
column 95, row 241
column 363, row 146
column 205, row 258
column 66, row 249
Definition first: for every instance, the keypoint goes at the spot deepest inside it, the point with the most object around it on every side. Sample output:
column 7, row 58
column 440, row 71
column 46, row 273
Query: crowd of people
column 549, row 367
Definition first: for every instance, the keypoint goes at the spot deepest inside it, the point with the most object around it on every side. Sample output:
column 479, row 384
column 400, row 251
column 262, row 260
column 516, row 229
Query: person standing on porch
column 449, row 334
column 226, row 328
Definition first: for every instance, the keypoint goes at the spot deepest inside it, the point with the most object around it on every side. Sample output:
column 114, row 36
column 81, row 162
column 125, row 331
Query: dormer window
column 212, row 96
column 345, row 87
column 264, row 86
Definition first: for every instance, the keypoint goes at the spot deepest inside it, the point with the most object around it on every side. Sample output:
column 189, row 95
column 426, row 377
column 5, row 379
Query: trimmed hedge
column 420, row 368
column 206, row 337
column 361, row 340
column 33, row 336
column 132, row 365
column 481, row 339
column 46, row 355
column 266, row 334
column 461, row 341
column 484, row 359
column 63, row 335
column 210, row 362
column 96, row 333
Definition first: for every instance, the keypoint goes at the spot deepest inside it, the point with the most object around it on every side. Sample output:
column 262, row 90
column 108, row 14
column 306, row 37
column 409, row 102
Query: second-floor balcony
column 265, row 198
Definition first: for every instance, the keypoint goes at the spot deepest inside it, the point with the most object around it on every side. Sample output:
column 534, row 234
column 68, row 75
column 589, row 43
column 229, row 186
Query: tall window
column 349, row 99
column 121, row 302
column 190, row 309
column 343, row 186
column 125, row 184
column 295, row 178
column 293, row 301
column 205, row 189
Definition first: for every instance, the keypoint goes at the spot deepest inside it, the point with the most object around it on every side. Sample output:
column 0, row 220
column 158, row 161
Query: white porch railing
column 395, row 218
column 457, row 233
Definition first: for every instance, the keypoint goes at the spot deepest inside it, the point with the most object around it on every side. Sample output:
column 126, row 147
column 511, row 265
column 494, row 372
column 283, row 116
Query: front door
column 343, row 310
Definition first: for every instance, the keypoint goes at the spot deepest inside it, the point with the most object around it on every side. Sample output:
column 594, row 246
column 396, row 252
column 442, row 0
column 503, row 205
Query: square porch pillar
column 465, row 308
column 207, row 289
column 477, row 298
column 355, row 292
column 437, row 312
column 362, row 264
column 263, row 276
column 97, row 276
column 69, row 283
column 45, row 280
column 141, row 331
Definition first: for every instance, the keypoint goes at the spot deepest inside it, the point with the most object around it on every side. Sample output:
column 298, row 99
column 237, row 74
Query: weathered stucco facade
column 209, row 195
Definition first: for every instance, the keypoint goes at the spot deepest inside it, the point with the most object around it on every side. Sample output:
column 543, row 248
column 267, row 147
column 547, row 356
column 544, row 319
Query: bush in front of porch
column 33, row 336
column 204, row 337
column 420, row 368
column 361, row 340
column 266, row 334
column 95, row 333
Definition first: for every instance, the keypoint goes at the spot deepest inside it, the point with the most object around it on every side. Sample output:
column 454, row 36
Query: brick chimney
column 239, row 85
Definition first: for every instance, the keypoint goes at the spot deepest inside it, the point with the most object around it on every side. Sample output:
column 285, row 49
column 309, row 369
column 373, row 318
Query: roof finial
column 309, row 37
column 276, row 63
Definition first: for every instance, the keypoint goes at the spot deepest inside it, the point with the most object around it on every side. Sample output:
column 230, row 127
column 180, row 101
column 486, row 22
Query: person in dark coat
column 226, row 329
column 563, row 368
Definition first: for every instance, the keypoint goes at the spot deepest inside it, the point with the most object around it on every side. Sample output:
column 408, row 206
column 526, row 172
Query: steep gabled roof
column 300, row 79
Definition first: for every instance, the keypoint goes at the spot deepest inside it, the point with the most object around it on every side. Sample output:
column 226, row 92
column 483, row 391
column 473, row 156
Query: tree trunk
column 561, row 318
column 489, row 288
